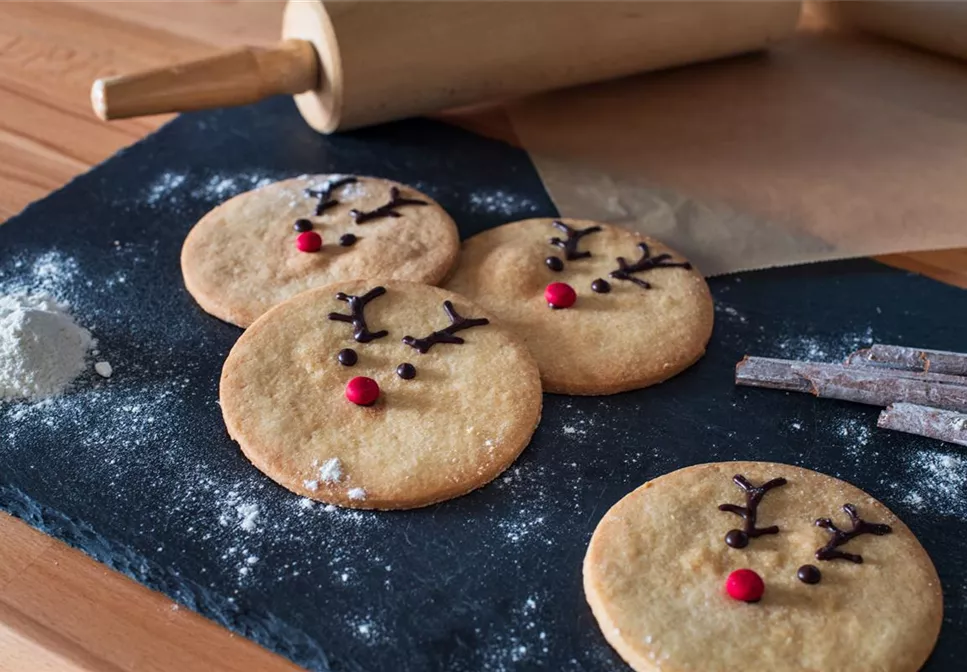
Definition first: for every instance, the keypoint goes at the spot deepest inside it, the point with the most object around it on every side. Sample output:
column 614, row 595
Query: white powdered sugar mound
column 331, row 470
column 42, row 349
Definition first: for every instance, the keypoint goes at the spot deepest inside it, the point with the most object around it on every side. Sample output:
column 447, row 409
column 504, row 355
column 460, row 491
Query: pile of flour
column 42, row 349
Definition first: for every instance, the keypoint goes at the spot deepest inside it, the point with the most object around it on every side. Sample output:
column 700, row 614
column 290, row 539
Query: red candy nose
column 745, row 585
column 560, row 295
column 310, row 241
column 362, row 391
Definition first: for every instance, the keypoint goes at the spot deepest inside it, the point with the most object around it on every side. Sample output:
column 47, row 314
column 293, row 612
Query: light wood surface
column 59, row 610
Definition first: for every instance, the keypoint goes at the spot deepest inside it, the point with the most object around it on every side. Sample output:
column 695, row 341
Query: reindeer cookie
column 267, row 245
column 380, row 395
column 603, row 309
column 739, row 566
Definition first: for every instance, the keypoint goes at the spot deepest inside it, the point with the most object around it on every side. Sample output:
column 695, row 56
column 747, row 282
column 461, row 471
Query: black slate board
column 138, row 471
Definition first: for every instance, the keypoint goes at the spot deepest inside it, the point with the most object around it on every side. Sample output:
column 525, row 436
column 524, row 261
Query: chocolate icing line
column 574, row 236
column 387, row 209
column 325, row 192
column 750, row 512
column 645, row 263
column 457, row 323
column 858, row 526
column 357, row 318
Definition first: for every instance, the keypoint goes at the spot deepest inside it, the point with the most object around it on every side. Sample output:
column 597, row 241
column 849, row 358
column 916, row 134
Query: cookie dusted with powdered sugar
column 380, row 395
column 267, row 245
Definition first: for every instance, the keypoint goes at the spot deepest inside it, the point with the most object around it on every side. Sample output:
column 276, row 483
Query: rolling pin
column 360, row 62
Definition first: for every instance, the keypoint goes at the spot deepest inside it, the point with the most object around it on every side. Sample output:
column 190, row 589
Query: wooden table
column 59, row 610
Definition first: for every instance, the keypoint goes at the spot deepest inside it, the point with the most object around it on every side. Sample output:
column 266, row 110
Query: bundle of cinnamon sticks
column 924, row 391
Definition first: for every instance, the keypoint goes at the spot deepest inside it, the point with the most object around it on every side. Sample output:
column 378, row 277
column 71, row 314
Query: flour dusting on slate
column 827, row 348
column 173, row 189
column 937, row 484
column 500, row 202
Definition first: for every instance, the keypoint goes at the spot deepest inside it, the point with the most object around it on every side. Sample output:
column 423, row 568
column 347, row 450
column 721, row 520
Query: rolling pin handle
column 235, row 77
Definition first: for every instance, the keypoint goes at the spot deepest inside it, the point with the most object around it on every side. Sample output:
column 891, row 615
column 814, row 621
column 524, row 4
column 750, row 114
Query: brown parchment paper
column 828, row 146
column 935, row 26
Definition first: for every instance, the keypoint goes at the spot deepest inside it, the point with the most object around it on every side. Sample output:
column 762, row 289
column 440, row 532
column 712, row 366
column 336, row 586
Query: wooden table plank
column 60, row 610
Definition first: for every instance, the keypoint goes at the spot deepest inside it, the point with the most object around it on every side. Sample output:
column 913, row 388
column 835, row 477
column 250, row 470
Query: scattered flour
column 524, row 643
column 248, row 514
column 500, row 202
column 356, row 493
column 221, row 187
column 938, row 484
column 824, row 349
column 52, row 273
column 243, row 514
column 42, row 349
column 579, row 424
column 172, row 189
column 730, row 312
column 161, row 188
column 857, row 434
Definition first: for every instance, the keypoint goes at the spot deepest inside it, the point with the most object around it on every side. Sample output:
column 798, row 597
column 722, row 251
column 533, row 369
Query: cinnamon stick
column 775, row 374
column 865, row 385
column 911, row 359
column 935, row 423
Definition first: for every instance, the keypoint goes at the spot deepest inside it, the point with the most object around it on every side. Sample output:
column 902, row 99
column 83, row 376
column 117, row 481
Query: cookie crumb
column 104, row 369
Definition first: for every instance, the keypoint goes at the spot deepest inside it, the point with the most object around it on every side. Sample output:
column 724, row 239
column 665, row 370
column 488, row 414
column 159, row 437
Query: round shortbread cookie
column 627, row 337
column 465, row 417
column 656, row 568
column 243, row 257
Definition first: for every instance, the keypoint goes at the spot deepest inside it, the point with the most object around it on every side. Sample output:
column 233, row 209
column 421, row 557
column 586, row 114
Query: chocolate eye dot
column 302, row 225
column 737, row 539
column 601, row 286
column 554, row 263
column 347, row 240
column 347, row 357
column 809, row 574
column 406, row 371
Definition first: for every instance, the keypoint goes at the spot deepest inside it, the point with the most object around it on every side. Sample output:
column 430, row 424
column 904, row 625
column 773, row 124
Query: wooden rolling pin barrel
column 360, row 62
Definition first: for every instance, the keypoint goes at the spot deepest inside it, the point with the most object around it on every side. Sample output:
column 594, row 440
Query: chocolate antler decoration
column 753, row 496
column 840, row 537
column 570, row 246
column 457, row 323
column 387, row 210
column 324, row 194
column 361, row 332
column 646, row 263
